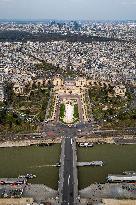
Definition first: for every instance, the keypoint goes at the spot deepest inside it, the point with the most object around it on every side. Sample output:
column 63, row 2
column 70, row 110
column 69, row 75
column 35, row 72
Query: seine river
column 33, row 159
column 117, row 158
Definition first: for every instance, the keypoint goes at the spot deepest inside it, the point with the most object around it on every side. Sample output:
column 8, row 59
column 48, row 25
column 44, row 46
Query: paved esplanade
column 69, row 190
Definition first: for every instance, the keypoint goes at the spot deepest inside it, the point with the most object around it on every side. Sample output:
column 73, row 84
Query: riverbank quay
column 118, row 202
column 37, row 193
column 107, row 138
column 95, row 193
column 24, row 142
column 40, row 193
column 28, row 142
column 17, row 201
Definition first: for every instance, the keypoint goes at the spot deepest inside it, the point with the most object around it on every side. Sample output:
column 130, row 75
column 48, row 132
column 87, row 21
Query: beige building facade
column 74, row 89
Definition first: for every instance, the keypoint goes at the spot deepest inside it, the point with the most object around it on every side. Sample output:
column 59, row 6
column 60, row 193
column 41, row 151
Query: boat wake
column 42, row 166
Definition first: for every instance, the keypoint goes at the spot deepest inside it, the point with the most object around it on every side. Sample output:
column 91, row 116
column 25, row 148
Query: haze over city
column 68, row 9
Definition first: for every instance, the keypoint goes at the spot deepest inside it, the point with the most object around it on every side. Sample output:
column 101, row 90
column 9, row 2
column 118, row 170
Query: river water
column 117, row 158
column 33, row 159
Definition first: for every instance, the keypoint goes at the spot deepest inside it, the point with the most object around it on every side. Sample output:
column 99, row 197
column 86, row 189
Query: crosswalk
column 67, row 137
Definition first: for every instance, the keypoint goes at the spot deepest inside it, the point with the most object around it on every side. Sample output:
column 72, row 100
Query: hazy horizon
column 56, row 19
column 68, row 10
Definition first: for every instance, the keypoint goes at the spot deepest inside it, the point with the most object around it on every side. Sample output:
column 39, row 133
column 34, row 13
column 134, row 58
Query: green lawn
column 76, row 113
column 62, row 112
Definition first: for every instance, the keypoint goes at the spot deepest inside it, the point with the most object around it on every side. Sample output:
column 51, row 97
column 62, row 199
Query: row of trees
column 18, row 111
column 116, row 110
column 22, row 36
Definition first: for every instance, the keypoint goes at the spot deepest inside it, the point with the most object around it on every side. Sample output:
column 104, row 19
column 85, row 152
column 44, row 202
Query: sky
column 68, row 9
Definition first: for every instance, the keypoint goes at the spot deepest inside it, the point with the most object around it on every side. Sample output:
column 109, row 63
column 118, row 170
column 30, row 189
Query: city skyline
column 70, row 9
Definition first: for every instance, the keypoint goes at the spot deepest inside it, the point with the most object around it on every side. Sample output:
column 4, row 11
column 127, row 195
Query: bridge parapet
column 75, row 175
column 61, row 171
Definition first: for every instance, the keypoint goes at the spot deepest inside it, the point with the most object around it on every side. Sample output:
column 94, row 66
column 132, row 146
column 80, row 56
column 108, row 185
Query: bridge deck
column 68, row 183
